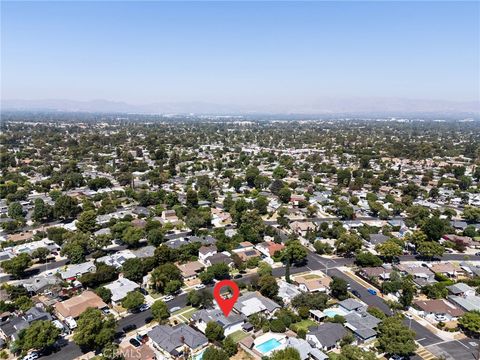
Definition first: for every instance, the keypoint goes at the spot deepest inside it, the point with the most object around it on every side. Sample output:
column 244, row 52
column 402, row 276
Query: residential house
column 431, row 309
column 40, row 284
column 72, row 272
column 305, row 350
column 73, row 307
column 219, row 258
column 268, row 249
column 174, row 341
column 230, row 324
column 287, row 291
column 117, row 259
column 378, row 272
column 205, row 252
column 190, row 270
column 362, row 324
column 461, row 289
column 253, row 303
column 302, row 227
column 467, row 303
column 349, row 305
column 326, row 336
column 120, row 288
column 446, row 268
column 317, row 284
column 169, row 217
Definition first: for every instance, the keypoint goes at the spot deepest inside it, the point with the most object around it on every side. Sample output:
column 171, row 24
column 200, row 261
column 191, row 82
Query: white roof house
column 120, row 288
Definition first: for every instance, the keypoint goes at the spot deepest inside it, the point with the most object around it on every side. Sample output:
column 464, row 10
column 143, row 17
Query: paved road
column 315, row 262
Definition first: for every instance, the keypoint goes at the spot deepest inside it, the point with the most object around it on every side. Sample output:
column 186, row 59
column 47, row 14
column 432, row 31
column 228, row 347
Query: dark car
column 148, row 319
column 135, row 342
column 356, row 293
column 61, row 342
column 129, row 327
column 238, row 276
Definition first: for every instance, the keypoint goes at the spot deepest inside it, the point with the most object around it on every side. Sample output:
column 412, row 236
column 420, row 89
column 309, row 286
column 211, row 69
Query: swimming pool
column 332, row 312
column 268, row 346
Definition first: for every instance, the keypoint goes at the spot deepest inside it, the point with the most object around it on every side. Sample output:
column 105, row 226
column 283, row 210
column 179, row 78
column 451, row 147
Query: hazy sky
column 239, row 53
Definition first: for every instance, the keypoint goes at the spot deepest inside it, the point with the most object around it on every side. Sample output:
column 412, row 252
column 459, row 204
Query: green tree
column 41, row 254
column 212, row 353
column 288, row 353
column 94, row 330
column 65, row 207
column 160, row 311
column 192, row 198
column 348, row 244
column 434, row 228
column 277, row 325
column 17, row 265
column 155, row 237
column 132, row 236
column 285, row 194
column 395, row 338
column 214, row 331
column 268, row 286
column 230, row 346
column 39, row 335
column 430, row 249
column 339, row 288
column 351, row 352
column 261, row 205
column 87, row 221
column 42, row 212
column 15, row 211
column 133, row 300
column 322, row 248
column 164, row 274
column 133, row 269
column 264, row 269
column 407, row 293
column 389, row 249
column 294, row 252
column 104, row 293
column 367, row 259
column 471, row 213
column 470, row 322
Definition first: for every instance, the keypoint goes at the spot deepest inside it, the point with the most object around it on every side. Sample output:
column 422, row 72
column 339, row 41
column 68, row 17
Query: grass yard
column 185, row 309
column 238, row 335
column 188, row 314
column 304, row 324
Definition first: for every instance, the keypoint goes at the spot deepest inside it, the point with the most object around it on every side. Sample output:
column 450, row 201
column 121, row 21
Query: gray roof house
column 229, row 324
column 376, row 239
column 352, row 305
column 254, row 302
column 305, row 350
column 326, row 336
column 77, row 270
column 171, row 340
column 39, row 284
column 362, row 325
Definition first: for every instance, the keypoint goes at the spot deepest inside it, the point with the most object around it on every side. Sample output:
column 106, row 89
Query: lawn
column 188, row 314
column 238, row 335
column 185, row 309
column 304, row 324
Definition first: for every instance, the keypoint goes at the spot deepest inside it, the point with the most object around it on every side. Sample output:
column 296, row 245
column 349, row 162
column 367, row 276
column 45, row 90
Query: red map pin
column 226, row 304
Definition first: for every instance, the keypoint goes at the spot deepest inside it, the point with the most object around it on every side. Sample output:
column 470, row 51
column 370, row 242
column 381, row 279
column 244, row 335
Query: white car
column 440, row 317
column 408, row 315
column 144, row 307
column 31, row 356
column 168, row 298
column 199, row 287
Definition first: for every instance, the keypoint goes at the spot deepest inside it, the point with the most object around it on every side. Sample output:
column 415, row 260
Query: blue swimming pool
column 332, row 312
column 268, row 345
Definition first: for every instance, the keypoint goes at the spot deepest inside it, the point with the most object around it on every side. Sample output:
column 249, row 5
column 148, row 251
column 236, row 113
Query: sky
column 240, row 52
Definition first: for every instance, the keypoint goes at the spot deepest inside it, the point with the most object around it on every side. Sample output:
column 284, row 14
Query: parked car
column 175, row 308
column 168, row 298
column 106, row 311
column 199, row 287
column 129, row 327
column 238, row 276
column 143, row 291
column 144, row 307
column 440, row 317
column 356, row 293
column 477, row 253
column 32, row 356
column 372, row 291
column 134, row 342
column 408, row 315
